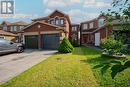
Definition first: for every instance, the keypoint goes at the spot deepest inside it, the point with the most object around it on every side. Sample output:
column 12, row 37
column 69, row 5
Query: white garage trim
column 50, row 32
column 97, row 39
column 23, row 39
column 31, row 33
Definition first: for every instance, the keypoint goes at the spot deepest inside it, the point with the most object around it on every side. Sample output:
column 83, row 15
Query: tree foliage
column 122, row 14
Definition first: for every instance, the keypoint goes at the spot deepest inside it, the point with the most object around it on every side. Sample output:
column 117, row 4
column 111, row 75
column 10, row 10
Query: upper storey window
column 74, row 28
column 15, row 28
column 57, row 21
column 101, row 22
column 61, row 21
column 85, row 26
column 5, row 28
column 91, row 25
column 52, row 21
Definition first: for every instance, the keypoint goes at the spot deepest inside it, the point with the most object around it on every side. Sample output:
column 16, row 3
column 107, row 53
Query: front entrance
column 97, row 39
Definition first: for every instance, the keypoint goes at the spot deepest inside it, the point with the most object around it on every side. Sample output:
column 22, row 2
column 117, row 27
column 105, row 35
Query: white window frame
column 56, row 20
column 85, row 26
column 5, row 28
column 62, row 21
column 15, row 28
column 52, row 21
column 21, row 27
column 91, row 25
column 101, row 22
column 11, row 28
column 74, row 28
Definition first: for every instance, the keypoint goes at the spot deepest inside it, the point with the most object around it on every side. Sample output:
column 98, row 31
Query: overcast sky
column 78, row 10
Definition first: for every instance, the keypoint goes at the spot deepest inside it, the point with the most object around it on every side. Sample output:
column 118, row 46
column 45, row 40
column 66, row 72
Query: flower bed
column 114, row 55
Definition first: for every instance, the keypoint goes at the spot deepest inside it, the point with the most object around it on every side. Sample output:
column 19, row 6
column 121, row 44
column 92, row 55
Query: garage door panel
column 50, row 41
column 31, row 41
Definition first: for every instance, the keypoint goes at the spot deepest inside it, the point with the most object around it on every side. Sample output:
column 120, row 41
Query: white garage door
column 97, row 39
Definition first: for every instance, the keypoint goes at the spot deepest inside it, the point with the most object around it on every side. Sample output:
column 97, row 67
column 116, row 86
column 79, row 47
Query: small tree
column 65, row 46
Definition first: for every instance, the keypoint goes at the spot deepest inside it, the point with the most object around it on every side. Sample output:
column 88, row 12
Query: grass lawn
column 60, row 70
column 70, row 70
column 94, row 58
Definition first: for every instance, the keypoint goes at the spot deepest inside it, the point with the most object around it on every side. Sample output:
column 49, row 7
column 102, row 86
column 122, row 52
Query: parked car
column 9, row 46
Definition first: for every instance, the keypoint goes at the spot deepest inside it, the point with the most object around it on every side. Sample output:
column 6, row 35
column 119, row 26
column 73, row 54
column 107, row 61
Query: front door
column 97, row 39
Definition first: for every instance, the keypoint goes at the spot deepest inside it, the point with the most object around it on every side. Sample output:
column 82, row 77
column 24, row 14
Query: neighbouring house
column 14, row 28
column 93, row 31
column 47, row 32
column 7, row 35
column 75, row 33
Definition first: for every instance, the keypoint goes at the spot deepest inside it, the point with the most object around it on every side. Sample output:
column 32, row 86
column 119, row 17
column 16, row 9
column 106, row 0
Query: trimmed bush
column 113, row 46
column 65, row 46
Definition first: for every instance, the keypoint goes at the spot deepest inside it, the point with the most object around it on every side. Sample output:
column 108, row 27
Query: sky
column 78, row 10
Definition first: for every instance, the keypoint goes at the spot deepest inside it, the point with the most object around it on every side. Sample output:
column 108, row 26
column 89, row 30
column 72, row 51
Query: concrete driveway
column 12, row 65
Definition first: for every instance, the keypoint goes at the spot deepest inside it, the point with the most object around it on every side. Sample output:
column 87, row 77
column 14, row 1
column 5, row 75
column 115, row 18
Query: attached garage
column 50, row 41
column 40, row 35
column 31, row 41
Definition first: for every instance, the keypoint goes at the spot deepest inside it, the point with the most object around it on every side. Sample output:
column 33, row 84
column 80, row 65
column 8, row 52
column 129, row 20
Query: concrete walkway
column 12, row 65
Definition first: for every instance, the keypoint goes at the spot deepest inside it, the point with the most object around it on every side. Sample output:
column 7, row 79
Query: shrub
column 74, row 43
column 65, row 46
column 111, row 46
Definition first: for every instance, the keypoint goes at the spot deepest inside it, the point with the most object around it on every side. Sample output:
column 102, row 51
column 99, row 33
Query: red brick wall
column 66, row 21
column 103, row 33
column 34, row 28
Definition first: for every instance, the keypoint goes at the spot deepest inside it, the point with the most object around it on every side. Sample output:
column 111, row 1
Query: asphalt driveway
column 13, row 64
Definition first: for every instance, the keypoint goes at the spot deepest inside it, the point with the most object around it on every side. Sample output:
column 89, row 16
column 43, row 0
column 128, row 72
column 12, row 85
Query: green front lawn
column 94, row 58
column 60, row 70
column 70, row 70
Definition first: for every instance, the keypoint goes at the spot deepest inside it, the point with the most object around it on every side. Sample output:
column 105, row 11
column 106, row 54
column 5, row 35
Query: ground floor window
column 2, row 37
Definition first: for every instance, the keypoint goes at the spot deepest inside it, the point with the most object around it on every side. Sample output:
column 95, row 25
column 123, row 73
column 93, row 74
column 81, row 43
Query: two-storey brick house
column 93, row 31
column 47, row 32
column 14, row 28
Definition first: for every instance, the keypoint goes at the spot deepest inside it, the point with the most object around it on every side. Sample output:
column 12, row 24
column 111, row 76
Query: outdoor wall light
column 39, row 26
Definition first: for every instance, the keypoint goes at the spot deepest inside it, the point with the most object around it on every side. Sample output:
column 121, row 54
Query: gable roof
column 41, row 18
column 6, row 22
column 58, row 12
column 47, row 17
column 95, row 19
column 15, row 23
column 2, row 32
column 19, row 23
column 57, row 27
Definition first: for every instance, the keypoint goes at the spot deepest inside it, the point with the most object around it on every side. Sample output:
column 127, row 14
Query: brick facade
column 88, row 34
column 57, row 22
